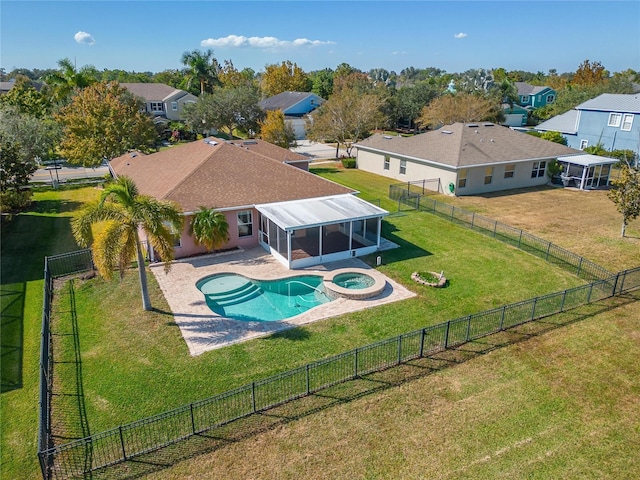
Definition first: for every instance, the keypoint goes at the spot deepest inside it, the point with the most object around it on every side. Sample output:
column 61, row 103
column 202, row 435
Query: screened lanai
column 586, row 171
column 308, row 232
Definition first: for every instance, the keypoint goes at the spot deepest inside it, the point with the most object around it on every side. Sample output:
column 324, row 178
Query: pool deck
column 204, row 330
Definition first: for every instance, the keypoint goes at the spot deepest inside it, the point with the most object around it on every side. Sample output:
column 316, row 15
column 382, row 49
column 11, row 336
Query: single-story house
column 161, row 101
column 268, row 200
column 295, row 106
column 463, row 158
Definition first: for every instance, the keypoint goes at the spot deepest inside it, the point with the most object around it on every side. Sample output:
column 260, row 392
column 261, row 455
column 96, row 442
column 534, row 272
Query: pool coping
column 203, row 330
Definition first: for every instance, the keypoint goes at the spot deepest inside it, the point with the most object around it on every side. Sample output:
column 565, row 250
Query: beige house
column 267, row 195
column 163, row 102
column 463, row 159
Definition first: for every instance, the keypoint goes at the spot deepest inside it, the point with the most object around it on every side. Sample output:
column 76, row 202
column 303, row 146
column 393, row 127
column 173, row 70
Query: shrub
column 349, row 162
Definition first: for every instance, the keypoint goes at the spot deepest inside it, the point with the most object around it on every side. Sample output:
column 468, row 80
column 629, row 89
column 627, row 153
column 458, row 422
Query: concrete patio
column 203, row 330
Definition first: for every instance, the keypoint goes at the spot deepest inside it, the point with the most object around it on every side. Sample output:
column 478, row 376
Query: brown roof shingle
column 469, row 144
column 221, row 176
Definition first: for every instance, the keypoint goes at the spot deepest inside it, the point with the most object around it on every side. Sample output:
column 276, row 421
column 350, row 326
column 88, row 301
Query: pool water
column 353, row 280
column 235, row 296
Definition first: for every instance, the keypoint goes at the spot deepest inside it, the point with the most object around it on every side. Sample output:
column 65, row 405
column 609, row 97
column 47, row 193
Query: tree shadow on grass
column 348, row 391
column 12, row 298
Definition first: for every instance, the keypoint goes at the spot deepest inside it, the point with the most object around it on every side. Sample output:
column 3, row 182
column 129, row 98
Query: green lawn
column 135, row 363
column 26, row 240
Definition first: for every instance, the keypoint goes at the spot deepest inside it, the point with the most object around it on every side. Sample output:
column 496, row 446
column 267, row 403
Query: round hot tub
column 354, row 283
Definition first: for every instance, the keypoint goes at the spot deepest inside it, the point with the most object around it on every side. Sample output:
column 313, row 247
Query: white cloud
column 460, row 35
column 240, row 41
column 84, row 37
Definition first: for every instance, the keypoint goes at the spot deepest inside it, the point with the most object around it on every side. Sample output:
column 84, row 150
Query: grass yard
column 538, row 409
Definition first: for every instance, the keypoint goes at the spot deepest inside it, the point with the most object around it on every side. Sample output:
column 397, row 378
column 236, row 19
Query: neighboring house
column 302, row 219
column 6, row 86
column 514, row 115
column 296, row 106
column 463, row 159
column 163, row 102
column 610, row 119
column 530, row 97
column 534, row 96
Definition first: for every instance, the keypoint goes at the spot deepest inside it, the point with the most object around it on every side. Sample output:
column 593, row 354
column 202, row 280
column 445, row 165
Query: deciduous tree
column 226, row 109
column 275, row 130
column 101, row 122
column 461, row 107
column 286, row 77
column 625, row 193
column 26, row 99
column 125, row 211
column 589, row 74
column 346, row 118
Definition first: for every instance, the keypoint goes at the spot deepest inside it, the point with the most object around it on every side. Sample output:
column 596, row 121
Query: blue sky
column 454, row 35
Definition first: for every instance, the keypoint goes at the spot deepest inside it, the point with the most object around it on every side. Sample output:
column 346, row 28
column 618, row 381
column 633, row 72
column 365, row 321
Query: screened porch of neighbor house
column 308, row 232
column 586, row 171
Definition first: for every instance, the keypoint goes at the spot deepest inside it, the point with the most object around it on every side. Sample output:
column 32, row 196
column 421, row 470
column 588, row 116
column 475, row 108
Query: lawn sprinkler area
column 350, row 285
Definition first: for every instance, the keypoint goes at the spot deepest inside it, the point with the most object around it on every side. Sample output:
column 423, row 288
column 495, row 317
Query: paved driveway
column 319, row 151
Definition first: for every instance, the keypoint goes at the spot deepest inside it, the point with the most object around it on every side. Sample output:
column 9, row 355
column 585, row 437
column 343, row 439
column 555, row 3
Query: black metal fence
column 54, row 267
column 407, row 194
column 82, row 457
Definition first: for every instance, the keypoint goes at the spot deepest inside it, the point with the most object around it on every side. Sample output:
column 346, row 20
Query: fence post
column 579, row 267
column 453, row 211
column 589, row 294
column 418, row 203
column 504, row 308
column 193, row 422
column 446, row 335
column 308, row 381
column 468, row 328
column 546, row 259
column 355, row 364
column 533, row 309
column 564, row 296
column 253, row 396
column 473, row 219
column 422, row 342
column 495, row 226
column 124, row 452
column 399, row 349
column 520, row 239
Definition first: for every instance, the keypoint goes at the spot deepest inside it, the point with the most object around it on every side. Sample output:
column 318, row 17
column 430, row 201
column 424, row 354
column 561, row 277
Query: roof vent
column 472, row 125
column 492, row 140
column 213, row 143
column 387, row 137
column 446, row 132
column 250, row 142
column 488, row 124
column 133, row 154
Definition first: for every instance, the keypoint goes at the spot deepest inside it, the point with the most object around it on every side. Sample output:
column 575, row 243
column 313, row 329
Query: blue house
column 295, row 106
column 534, row 96
column 612, row 120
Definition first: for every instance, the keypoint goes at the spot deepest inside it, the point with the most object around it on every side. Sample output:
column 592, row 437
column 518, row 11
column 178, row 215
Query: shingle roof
column 613, row 102
column 563, row 123
column 284, row 100
column 221, row 176
column 527, row 89
column 151, row 91
column 470, row 144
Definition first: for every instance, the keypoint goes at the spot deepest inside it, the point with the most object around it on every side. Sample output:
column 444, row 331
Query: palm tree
column 204, row 67
column 68, row 78
column 125, row 212
column 209, row 227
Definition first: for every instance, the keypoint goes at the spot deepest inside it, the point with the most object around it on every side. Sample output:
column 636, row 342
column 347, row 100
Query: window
column 627, row 121
column 488, row 175
column 551, row 98
column 245, row 224
column 614, row 119
column 177, row 238
column 386, row 162
column 525, row 98
column 538, row 169
column 462, row 178
column 174, row 106
column 403, row 167
column 509, row 170
column 584, row 144
column 157, row 106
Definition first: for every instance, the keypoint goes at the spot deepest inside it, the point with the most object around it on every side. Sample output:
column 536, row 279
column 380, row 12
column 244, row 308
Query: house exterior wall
column 593, row 128
column 306, row 105
column 539, row 99
column 167, row 111
column 475, row 176
column 299, row 127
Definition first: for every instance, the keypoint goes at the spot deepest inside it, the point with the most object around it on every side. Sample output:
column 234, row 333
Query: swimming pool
column 235, row 296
